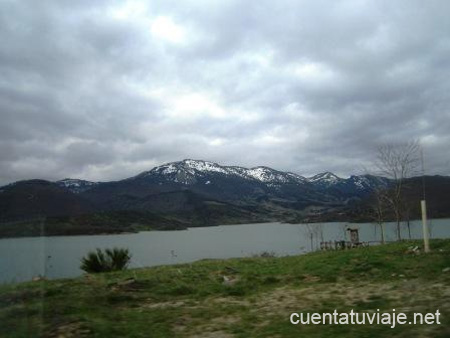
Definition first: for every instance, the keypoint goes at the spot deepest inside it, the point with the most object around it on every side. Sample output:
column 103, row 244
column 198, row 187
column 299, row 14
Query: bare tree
column 379, row 208
column 408, row 206
column 398, row 162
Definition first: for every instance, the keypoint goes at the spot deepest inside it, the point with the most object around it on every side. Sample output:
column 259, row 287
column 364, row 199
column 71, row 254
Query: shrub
column 102, row 261
column 119, row 258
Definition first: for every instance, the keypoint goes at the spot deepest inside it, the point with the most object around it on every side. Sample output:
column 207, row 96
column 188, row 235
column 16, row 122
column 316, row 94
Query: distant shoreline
column 125, row 232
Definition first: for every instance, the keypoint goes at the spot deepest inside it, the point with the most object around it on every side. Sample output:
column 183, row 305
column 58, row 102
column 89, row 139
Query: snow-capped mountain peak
column 326, row 178
column 189, row 171
column 368, row 182
column 265, row 174
column 188, row 165
column 203, row 166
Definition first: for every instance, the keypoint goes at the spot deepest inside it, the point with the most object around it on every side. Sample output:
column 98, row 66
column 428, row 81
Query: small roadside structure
column 354, row 236
column 353, row 241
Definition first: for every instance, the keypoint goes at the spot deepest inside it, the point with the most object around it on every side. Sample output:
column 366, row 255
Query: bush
column 119, row 258
column 109, row 260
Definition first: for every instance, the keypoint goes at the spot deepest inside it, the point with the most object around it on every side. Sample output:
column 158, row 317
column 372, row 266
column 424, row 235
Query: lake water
column 22, row 259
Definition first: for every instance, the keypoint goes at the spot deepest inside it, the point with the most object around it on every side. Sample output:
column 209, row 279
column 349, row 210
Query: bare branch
column 397, row 162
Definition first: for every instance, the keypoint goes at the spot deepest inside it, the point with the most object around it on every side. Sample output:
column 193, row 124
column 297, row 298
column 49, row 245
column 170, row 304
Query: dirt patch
column 69, row 330
column 310, row 278
column 226, row 320
column 216, row 327
column 213, row 327
column 287, row 299
column 213, row 334
column 181, row 324
column 405, row 295
column 164, row 305
column 230, row 301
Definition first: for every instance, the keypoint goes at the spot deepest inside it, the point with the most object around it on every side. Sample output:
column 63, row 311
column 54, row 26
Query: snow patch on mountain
column 76, row 185
column 191, row 167
column 325, row 178
column 204, row 166
column 265, row 174
column 190, row 172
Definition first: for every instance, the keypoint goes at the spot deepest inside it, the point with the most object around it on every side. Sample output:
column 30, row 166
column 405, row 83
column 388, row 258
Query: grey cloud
column 297, row 85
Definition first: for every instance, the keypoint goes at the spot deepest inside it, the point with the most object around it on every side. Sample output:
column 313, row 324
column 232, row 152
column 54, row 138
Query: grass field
column 248, row 297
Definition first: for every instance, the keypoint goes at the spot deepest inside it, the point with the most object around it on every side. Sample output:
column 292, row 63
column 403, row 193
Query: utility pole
column 426, row 240
column 423, row 206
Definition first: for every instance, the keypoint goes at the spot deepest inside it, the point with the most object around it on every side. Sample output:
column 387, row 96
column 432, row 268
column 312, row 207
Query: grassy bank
column 249, row 297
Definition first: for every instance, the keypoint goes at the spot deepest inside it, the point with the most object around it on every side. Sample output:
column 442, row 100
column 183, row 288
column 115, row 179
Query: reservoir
column 21, row 259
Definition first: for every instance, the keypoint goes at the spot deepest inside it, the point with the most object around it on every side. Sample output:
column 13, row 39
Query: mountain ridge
column 191, row 166
column 190, row 193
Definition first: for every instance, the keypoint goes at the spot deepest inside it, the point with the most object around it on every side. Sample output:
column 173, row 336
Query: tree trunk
column 382, row 233
column 409, row 229
column 399, row 235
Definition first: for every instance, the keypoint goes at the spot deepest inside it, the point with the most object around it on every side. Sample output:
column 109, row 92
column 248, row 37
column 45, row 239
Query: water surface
column 22, row 259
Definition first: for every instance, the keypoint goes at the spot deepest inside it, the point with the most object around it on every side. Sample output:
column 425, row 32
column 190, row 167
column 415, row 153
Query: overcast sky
column 103, row 90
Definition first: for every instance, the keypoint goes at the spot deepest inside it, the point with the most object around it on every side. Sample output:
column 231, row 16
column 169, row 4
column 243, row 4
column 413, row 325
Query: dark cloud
column 103, row 90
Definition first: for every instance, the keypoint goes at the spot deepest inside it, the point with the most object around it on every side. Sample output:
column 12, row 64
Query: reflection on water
column 58, row 257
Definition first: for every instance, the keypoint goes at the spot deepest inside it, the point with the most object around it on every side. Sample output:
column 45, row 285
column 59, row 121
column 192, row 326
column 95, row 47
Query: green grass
column 192, row 300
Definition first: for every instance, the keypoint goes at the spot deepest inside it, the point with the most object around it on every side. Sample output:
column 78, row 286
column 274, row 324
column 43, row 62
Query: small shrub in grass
column 102, row 261
column 118, row 258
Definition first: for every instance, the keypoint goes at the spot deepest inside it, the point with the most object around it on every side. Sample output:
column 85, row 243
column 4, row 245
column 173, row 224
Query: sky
column 103, row 90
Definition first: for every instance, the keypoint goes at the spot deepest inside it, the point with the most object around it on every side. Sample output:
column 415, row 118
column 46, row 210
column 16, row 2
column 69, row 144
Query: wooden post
column 426, row 240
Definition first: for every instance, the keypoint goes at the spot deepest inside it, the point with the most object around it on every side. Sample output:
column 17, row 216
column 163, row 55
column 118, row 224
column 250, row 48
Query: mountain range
column 179, row 195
